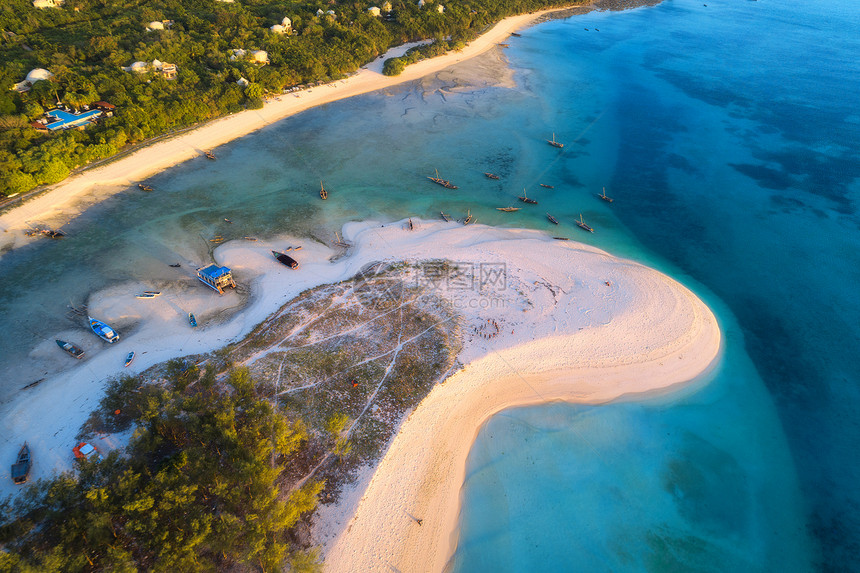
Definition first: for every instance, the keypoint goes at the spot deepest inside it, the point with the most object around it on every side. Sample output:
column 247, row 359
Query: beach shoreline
column 117, row 175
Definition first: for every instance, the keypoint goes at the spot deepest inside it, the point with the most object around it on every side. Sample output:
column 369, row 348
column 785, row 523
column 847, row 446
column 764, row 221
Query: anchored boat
column 508, row 209
column 551, row 219
column 547, row 186
column 555, row 143
column 443, row 182
column 323, row 192
column 604, row 197
column 70, row 348
column 445, row 217
column 525, row 199
column 581, row 224
column 491, row 175
column 146, row 188
column 103, row 331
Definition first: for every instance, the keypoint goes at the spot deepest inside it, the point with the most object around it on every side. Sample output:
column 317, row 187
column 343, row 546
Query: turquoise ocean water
column 727, row 135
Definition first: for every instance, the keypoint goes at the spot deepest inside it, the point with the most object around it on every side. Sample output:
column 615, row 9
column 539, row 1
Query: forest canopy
column 86, row 44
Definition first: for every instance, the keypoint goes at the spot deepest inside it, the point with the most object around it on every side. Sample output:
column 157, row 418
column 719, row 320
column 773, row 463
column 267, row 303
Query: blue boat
column 129, row 358
column 192, row 320
column 103, row 331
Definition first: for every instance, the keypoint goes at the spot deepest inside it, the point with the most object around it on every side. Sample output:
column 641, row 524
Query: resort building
column 48, row 3
column 243, row 82
column 260, row 56
column 440, row 8
column 35, row 75
column 215, row 277
column 386, row 6
column 278, row 29
column 375, row 11
column 168, row 71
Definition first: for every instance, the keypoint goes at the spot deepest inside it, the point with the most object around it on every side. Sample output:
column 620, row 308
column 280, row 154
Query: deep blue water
column 727, row 135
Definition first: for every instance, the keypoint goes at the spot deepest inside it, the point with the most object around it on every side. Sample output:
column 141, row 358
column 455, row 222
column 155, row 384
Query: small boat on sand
column 146, row 188
column 507, row 209
column 21, row 467
column 250, row 238
column 446, row 218
column 547, row 186
column 525, row 199
column 491, row 175
column 561, row 238
column 103, row 331
column 443, row 182
column 515, row 35
column 581, row 224
column 129, row 358
column 552, row 219
column 604, row 197
column 555, row 143
column 149, row 294
column 285, row 259
column 323, row 192
column 70, row 348
column 175, row 266
column 191, row 320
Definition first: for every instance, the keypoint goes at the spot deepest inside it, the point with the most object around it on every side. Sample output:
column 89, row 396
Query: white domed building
column 374, row 11
column 38, row 74
column 287, row 23
column 155, row 25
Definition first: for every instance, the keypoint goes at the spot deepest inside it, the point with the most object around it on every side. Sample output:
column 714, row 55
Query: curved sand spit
column 564, row 334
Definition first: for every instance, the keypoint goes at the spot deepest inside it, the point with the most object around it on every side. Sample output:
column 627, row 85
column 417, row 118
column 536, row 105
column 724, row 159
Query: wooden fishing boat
column 547, row 186
column 555, row 143
column 21, row 467
column 129, row 358
column 340, row 242
column 285, row 259
column 468, row 218
column 491, row 175
column 581, row 224
column 103, row 331
column 443, row 182
column 146, row 188
column 446, row 218
column 323, row 192
column 604, row 197
column 226, row 220
column 515, row 35
column 504, row 45
column 552, row 219
column 175, row 266
column 561, row 238
column 209, row 155
column 192, row 320
column 250, row 238
column 508, row 209
column 70, row 348
column 525, row 199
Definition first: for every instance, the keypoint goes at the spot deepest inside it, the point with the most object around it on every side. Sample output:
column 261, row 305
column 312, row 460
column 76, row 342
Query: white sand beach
column 99, row 182
column 572, row 323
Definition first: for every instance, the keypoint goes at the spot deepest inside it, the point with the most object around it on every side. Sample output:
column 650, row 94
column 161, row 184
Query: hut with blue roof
column 215, row 277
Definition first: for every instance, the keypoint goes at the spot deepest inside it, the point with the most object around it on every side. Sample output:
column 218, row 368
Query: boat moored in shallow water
column 581, row 224
column 103, row 331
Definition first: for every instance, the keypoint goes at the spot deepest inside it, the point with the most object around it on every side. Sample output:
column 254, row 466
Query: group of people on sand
column 489, row 330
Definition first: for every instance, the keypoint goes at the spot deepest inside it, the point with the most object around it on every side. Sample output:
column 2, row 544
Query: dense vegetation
column 198, row 489
column 86, row 43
